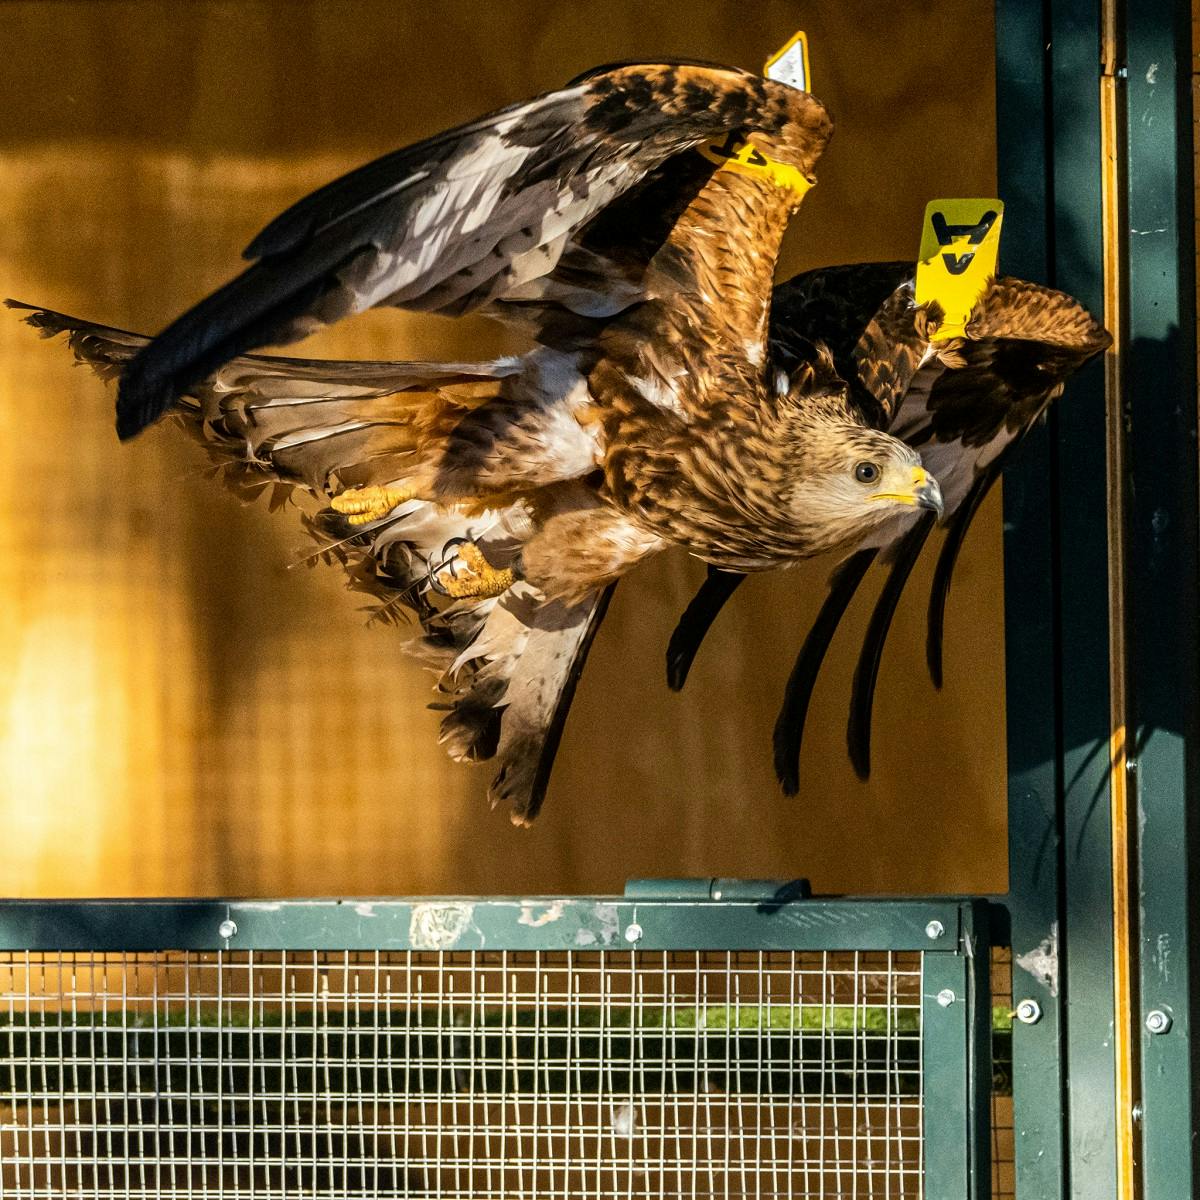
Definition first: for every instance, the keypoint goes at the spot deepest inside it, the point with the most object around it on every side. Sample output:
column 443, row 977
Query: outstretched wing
column 508, row 665
column 964, row 404
column 459, row 219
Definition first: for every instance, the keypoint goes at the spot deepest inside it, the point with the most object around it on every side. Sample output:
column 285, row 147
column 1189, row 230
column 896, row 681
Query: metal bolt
column 227, row 929
column 946, row 997
column 934, row 930
column 1029, row 1012
column 1158, row 1021
column 633, row 933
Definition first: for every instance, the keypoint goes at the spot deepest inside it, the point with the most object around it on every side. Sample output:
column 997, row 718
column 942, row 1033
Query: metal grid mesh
column 1004, row 1181
column 460, row 1074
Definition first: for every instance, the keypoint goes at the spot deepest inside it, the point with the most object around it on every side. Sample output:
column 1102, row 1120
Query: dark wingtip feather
column 696, row 621
column 789, row 725
column 939, row 592
column 257, row 308
column 141, row 401
column 866, row 674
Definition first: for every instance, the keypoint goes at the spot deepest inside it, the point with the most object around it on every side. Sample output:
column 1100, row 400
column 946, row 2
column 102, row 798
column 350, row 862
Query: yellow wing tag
column 735, row 155
column 960, row 246
column 788, row 65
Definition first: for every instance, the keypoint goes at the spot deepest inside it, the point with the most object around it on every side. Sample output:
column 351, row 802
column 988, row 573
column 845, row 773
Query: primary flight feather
column 965, row 403
column 630, row 223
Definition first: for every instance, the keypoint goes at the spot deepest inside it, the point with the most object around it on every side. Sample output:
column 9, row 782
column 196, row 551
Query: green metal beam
column 947, row 1122
column 467, row 923
column 1086, row 714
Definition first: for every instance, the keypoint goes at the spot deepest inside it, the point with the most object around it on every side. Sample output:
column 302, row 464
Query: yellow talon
column 363, row 505
column 480, row 580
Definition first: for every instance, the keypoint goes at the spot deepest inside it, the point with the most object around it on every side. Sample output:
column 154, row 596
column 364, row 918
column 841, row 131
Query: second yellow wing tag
column 960, row 246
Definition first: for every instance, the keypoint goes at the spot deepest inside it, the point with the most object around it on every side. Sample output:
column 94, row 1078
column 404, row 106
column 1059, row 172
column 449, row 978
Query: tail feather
column 508, row 666
column 537, row 702
column 268, row 304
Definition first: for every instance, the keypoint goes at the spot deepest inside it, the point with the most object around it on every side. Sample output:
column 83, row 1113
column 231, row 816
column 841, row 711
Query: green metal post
column 1032, row 632
column 945, row 1026
column 1082, row 449
column 1048, row 79
column 1160, row 392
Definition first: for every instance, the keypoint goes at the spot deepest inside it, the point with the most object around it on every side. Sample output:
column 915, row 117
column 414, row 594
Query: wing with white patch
column 459, row 219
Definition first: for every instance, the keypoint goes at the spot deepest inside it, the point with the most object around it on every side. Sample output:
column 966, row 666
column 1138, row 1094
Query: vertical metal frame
column 1164, row 594
column 1103, row 603
column 1048, row 102
column 956, row 1032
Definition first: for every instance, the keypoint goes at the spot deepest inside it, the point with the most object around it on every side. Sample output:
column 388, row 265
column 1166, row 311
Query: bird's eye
column 866, row 472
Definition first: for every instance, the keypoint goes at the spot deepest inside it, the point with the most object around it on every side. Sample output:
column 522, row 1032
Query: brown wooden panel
column 183, row 714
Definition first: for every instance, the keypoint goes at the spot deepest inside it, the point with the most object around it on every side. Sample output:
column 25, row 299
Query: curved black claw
column 862, row 697
column 696, row 621
column 789, row 725
column 446, row 563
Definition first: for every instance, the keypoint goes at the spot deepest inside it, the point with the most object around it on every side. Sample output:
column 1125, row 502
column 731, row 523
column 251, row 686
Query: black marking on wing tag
column 946, row 233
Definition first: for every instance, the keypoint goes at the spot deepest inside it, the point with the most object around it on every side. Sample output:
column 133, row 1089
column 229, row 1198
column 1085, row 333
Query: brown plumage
column 499, row 500
column 965, row 403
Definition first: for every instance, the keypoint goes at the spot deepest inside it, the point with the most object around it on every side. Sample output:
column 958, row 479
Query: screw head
column 946, row 997
column 1158, row 1021
column 227, row 929
column 1029, row 1012
column 934, row 930
column 633, row 933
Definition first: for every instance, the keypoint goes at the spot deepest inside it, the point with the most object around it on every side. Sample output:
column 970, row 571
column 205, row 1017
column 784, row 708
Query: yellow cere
column 960, row 247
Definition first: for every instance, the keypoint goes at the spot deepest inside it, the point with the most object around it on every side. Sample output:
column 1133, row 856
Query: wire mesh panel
column 461, row 1074
column 690, row 1039
column 1004, row 1182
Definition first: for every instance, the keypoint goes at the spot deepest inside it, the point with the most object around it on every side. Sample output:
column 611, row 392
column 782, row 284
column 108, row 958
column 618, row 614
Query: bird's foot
column 469, row 576
column 361, row 506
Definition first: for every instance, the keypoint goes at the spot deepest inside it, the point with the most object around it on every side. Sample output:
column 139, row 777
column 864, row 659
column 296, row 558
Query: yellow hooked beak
column 924, row 493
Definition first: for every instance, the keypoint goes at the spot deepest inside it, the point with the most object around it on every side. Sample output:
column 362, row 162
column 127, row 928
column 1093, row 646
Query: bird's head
column 852, row 479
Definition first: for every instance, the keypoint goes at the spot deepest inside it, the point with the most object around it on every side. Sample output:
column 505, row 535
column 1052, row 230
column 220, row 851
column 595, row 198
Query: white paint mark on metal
column 552, row 912
column 1042, row 961
column 438, row 926
column 610, row 922
column 1162, row 956
column 365, row 909
column 1152, row 74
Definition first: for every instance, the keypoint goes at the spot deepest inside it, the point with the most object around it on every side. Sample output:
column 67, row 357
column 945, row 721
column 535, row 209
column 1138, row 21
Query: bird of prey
column 630, row 223
column 965, row 402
